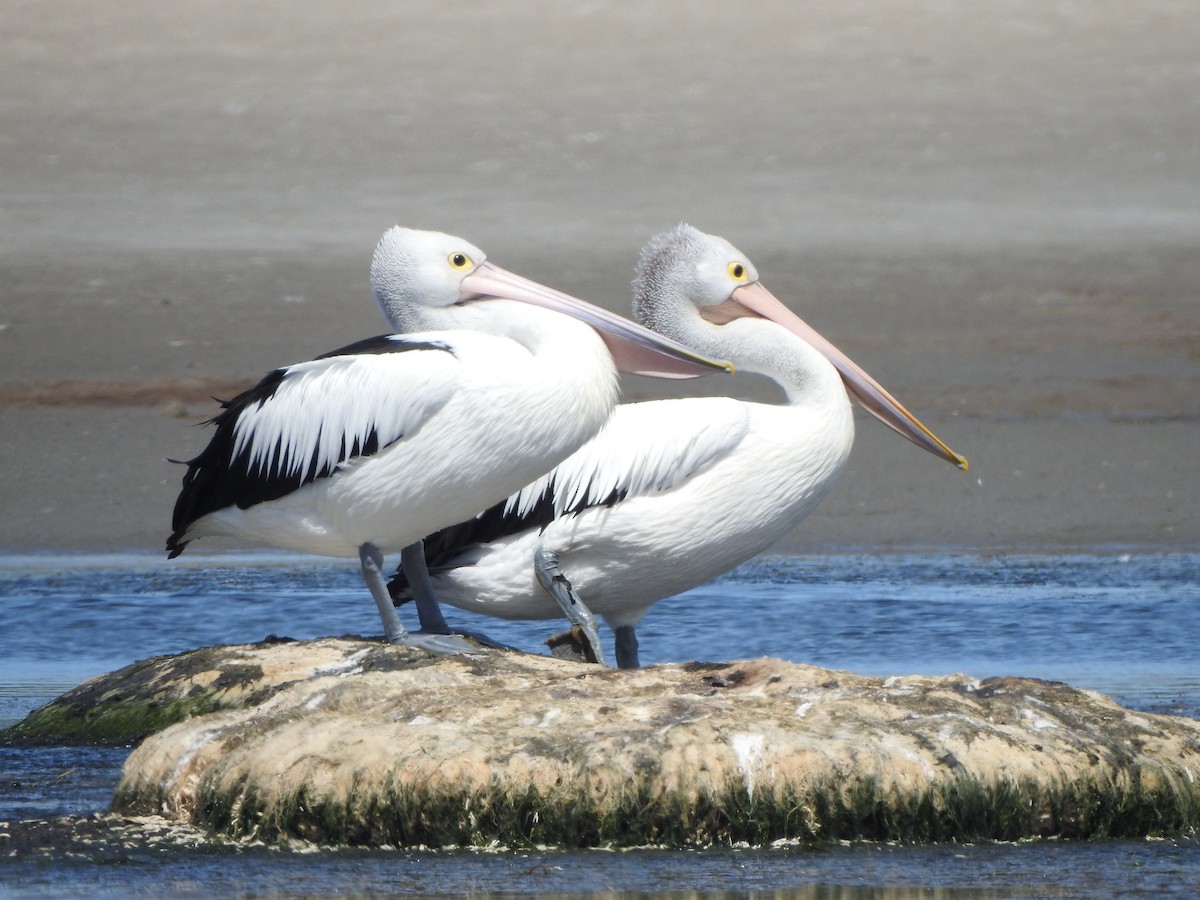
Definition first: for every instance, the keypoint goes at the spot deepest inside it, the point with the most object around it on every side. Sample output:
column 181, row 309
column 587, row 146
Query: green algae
column 126, row 706
column 116, row 723
column 964, row 811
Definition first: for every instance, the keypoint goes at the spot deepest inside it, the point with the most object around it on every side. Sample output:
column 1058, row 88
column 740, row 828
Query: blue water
column 1124, row 624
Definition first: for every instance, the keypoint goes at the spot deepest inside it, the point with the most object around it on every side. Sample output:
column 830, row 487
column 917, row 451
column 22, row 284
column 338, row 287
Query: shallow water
column 1122, row 624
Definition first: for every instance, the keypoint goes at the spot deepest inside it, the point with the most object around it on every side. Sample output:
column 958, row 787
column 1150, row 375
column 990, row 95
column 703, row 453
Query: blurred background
column 993, row 207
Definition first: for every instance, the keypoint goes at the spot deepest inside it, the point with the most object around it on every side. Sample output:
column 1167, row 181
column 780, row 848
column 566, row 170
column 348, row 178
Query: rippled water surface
column 1126, row 625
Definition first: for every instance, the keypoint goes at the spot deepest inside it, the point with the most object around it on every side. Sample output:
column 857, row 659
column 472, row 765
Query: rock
column 346, row 741
column 125, row 706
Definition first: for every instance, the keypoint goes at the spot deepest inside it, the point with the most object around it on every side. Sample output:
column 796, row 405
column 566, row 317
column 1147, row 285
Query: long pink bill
column 634, row 348
column 862, row 387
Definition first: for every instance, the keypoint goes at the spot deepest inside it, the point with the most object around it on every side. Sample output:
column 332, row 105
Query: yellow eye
column 737, row 272
column 460, row 261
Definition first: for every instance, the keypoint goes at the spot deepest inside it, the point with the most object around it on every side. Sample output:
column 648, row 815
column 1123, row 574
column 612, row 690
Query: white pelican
column 363, row 451
column 673, row 492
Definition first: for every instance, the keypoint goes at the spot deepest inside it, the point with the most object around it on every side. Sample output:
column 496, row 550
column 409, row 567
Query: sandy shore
column 996, row 212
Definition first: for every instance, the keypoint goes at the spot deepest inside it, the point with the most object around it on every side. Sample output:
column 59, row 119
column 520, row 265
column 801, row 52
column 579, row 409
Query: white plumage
column 671, row 493
column 450, row 424
column 363, row 451
column 642, row 449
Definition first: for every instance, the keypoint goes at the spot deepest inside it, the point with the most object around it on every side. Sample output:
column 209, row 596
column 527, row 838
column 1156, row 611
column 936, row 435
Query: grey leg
column 412, row 563
column 552, row 578
column 627, row 647
column 393, row 628
column 372, row 569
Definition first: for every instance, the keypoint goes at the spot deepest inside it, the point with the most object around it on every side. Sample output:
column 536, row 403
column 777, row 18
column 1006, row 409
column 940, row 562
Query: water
column 1125, row 625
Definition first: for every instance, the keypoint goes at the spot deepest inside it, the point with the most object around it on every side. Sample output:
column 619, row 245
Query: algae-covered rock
column 352, row 742
column 125, row 706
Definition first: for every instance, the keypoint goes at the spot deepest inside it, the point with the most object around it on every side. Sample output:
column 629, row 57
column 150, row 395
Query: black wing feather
column 217, row 478
column 493, row 524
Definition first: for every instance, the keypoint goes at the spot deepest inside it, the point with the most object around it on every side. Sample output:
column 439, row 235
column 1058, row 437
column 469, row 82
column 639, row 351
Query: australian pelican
column 671, row 493
column 365, row 450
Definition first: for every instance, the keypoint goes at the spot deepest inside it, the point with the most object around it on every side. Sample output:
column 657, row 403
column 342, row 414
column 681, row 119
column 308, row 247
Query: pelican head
column 688, row 283
column 414, row 268
column 415, row 271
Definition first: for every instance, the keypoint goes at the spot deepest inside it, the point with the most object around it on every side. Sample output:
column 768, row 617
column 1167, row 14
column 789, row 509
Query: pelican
column 364, row 450
column 671, row 493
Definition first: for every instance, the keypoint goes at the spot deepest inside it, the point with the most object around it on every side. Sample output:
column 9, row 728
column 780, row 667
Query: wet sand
column 996, row 212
